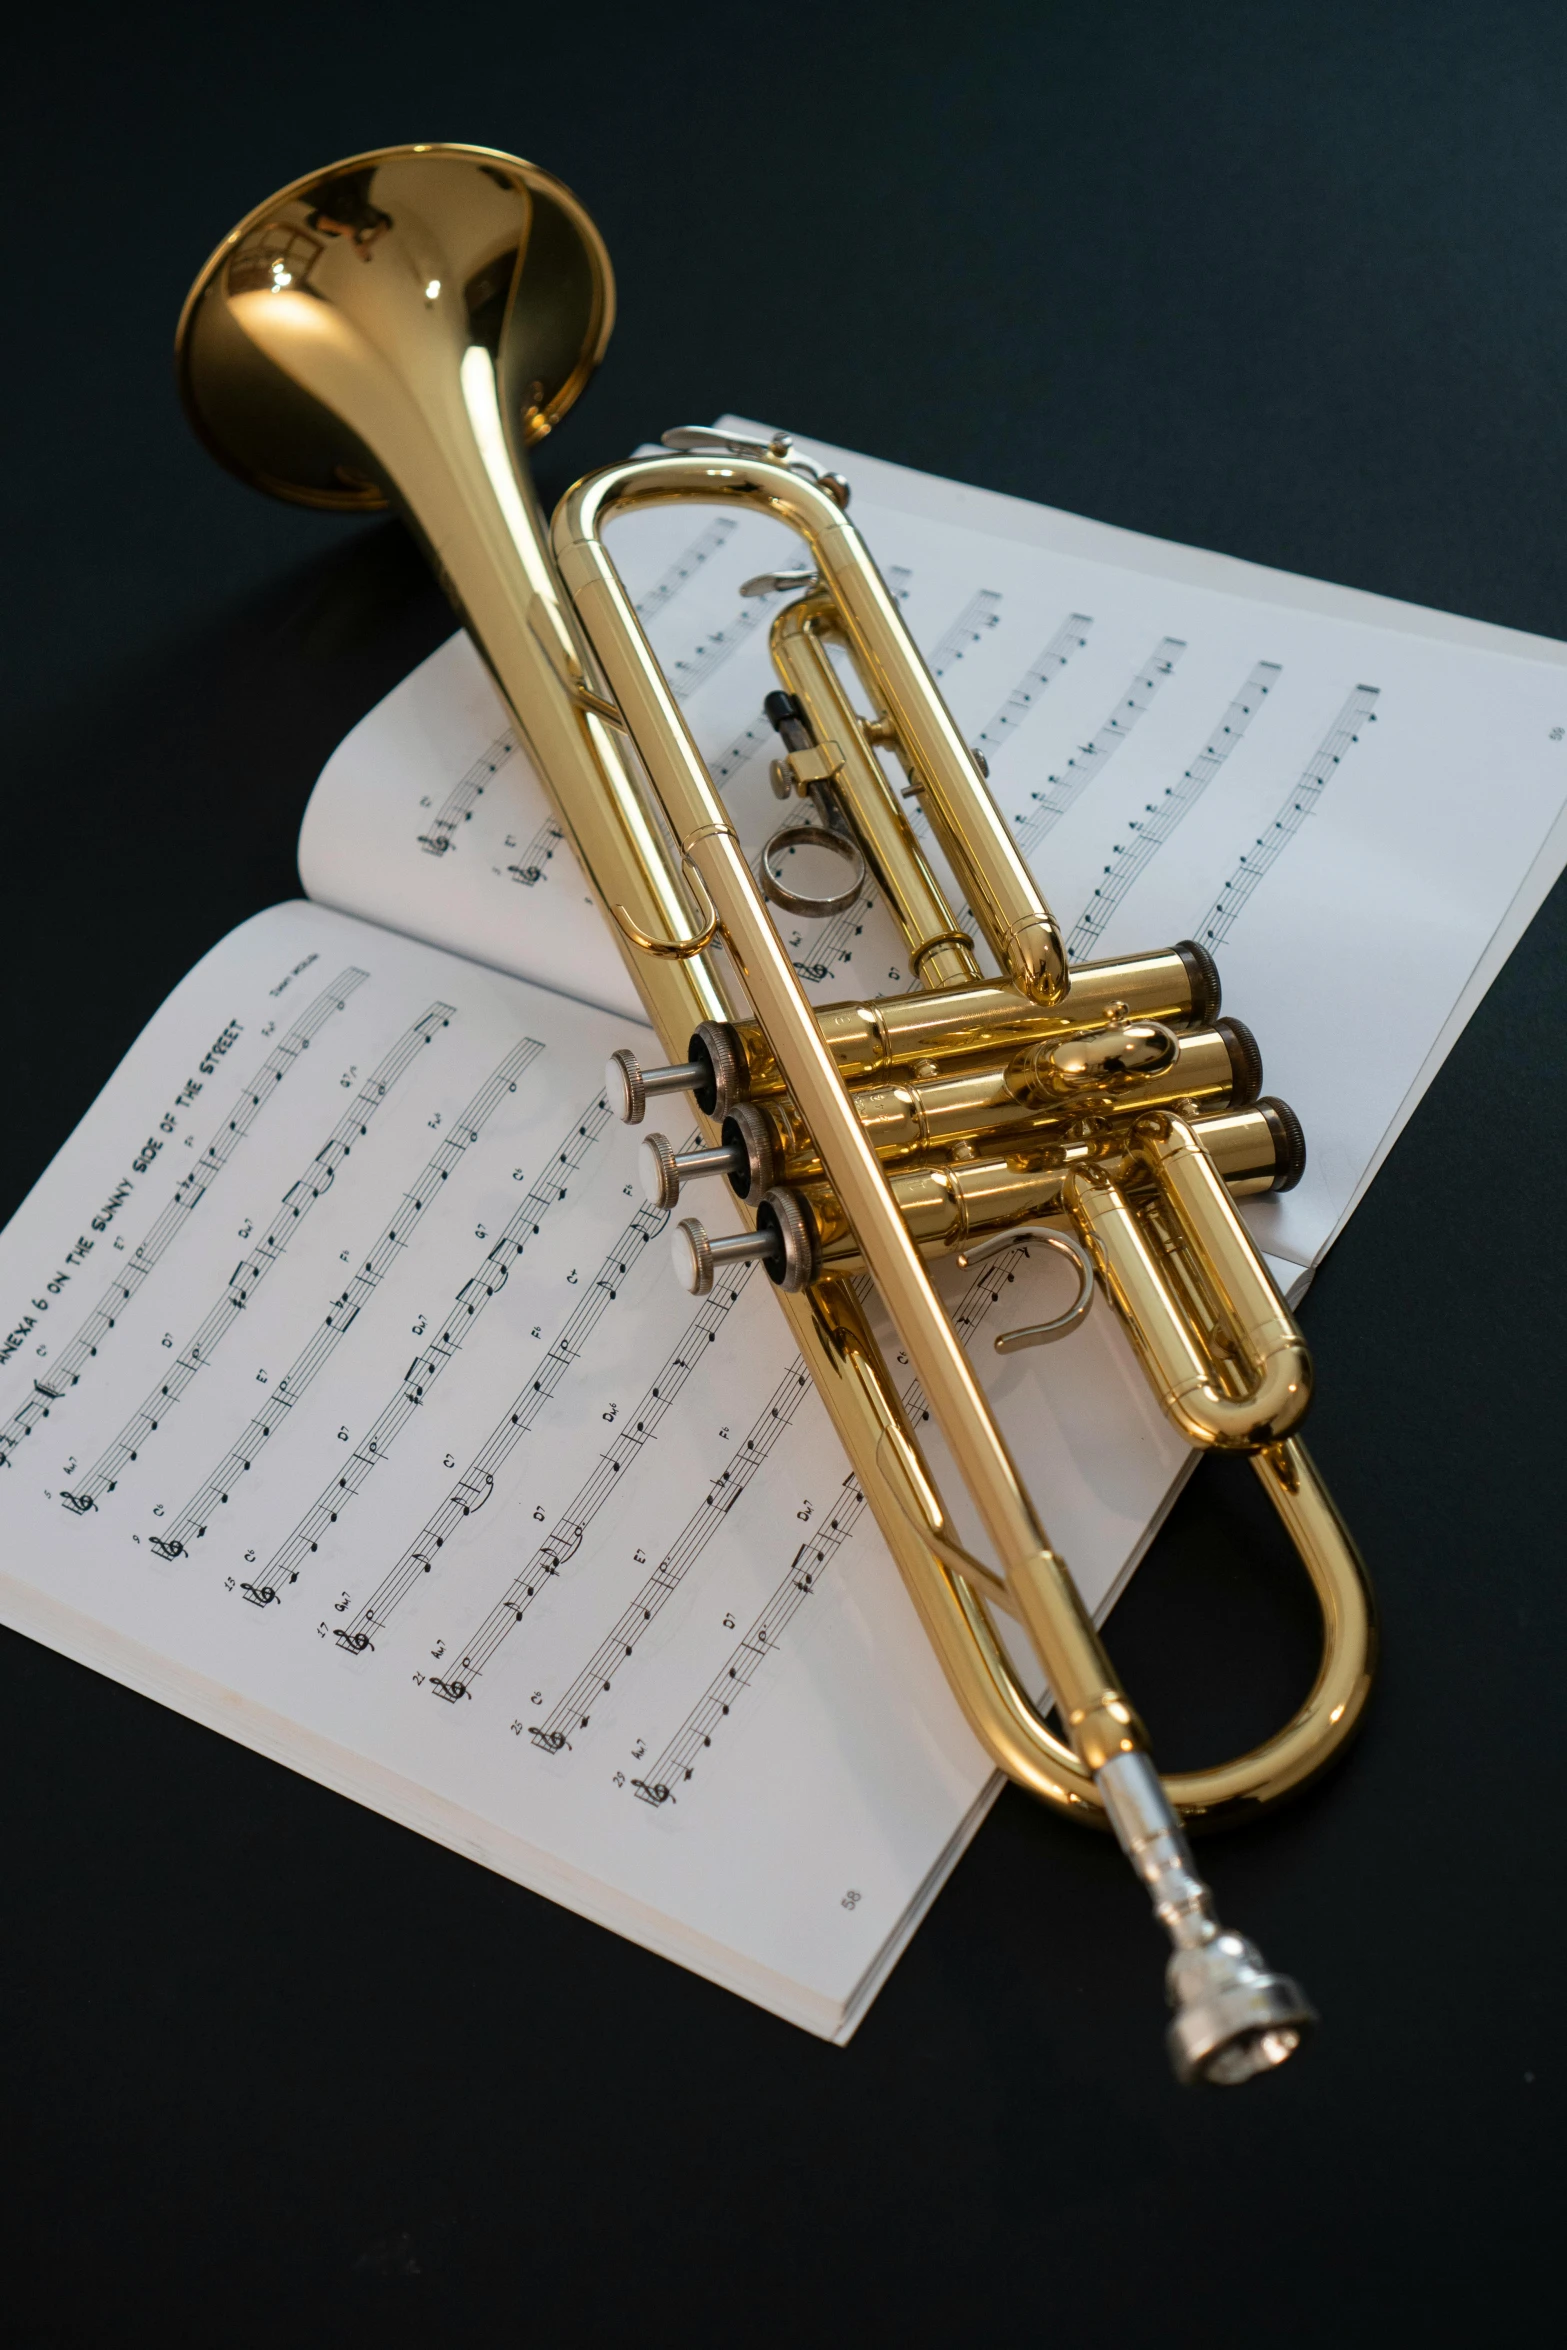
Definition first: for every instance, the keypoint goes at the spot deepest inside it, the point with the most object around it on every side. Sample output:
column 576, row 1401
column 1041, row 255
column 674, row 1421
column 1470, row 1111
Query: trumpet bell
column 389, row 266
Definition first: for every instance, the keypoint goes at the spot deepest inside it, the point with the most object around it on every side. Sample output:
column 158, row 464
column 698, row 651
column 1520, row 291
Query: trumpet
column 398, row 330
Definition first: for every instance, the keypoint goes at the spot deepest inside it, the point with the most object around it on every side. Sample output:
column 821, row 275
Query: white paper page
column 348, row 1403
column 1357, row 819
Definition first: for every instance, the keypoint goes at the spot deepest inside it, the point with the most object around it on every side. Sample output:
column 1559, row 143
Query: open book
column 348, row 1404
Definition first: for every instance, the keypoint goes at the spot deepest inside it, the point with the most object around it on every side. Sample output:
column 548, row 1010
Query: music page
column 1357, row 817
column 349, row 1405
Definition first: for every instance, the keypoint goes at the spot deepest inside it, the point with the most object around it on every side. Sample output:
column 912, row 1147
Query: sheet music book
column 348, row 1405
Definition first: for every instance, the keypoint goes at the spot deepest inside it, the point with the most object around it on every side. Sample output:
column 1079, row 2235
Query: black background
column 1285, row 281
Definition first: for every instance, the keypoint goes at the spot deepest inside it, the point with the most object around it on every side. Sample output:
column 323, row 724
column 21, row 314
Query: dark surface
column 1290, row 282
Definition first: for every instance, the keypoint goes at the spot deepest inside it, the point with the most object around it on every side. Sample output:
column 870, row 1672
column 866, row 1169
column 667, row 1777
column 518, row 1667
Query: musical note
column 1046, row 807
column 189, row 1192
column 295, row 1205
column 535, row 860
column 393, row 1234
column 607, row 1475
column 538, row 1389
column 1359, row 710
column 1148, row 833
column 676, row 1765
column 573, row 1711
column 482, row 1286
column 685, row 567
column 1041, row 673
column 973, row 624
column 458, row 806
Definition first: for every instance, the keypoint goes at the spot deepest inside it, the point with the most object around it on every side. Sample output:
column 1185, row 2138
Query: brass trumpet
column 398, row 330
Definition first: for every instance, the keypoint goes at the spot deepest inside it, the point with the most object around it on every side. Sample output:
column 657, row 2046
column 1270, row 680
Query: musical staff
column 485, row 1283
column 248, row 1275
column 476, row 1483
column 833, row 943
column 566, row 1535
column 1041, row 673
column 685, row 567
column 719, row 645
column 458, row 806
column 574, row 1710
column 973, row 624
column 1359, row 710
column 393, row 1235
column 82, row 1348
column 1061, row 792
column 1160, row 818
column 741, row 748
column 534, row 861
column 676, row 1765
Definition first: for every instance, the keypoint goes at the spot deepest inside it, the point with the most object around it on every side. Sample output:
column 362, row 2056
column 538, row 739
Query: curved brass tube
column 671, row 950
column 1222, row 1795
column 1183, row 1374
column 1017, row 923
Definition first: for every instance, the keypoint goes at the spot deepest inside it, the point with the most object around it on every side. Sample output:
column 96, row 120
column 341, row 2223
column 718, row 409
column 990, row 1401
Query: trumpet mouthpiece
column 1233, row 2017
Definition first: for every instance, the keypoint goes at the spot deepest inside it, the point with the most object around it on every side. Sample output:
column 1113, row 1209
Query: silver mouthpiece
column 1233, row 2017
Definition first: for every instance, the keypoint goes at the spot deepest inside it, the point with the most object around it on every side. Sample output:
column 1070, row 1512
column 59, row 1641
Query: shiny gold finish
column 941, row 954
column 890, row 1036
column 398, row 330
column 946, row 1207
column 1023, row 1098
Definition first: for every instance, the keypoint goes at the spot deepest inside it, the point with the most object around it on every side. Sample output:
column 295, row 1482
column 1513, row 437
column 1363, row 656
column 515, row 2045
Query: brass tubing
column 990, row 1108
column 891, row 1036
column 941, row 954
column 1275, row 1383
column 1013, row 1730
column 971, row 1103
column 1070, row 1650
column 1222, row 1795
column 1018, row 925
column 1279, row 1387
column 944, row 1207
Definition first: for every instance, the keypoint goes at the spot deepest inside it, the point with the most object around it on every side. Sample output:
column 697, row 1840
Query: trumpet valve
column 784, row 1241
column 627, row 1084
column 697, row 1256
column 714, row 1076
column 665, row 1171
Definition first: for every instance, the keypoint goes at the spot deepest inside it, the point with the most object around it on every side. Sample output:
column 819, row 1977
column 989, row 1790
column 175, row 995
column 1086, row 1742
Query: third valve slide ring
column 810, row 836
